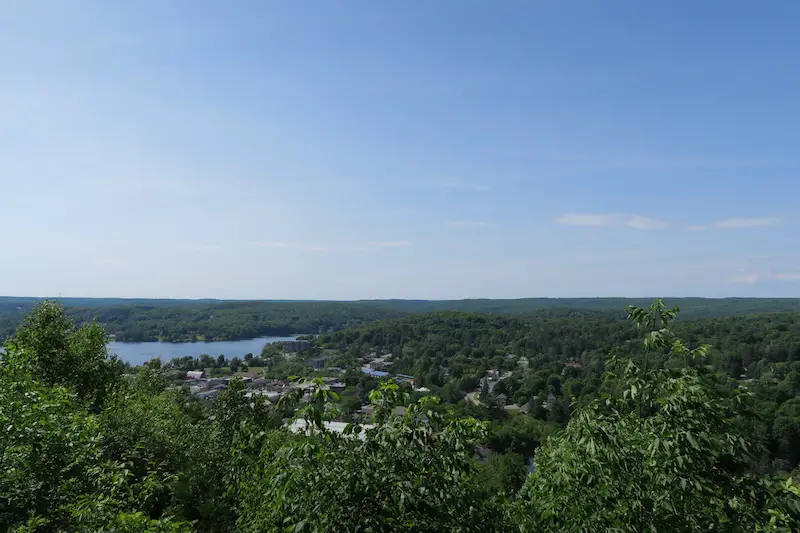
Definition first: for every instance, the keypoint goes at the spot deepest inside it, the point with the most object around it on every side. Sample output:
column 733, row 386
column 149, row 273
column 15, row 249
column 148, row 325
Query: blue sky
column 361, row 149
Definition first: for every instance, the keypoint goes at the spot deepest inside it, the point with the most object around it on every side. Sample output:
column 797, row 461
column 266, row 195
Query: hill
column 187, row 320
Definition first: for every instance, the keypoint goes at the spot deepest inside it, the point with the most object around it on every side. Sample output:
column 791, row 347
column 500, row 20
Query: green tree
column 58, row 353
column 786, row 430
column 668, row 453
column 409, row 473
column 503, row 473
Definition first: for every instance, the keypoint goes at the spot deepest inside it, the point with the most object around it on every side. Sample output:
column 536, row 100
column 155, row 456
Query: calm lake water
column 137, row 353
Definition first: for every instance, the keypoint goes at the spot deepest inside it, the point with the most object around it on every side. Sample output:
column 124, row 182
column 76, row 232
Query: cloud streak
column 596, row 220
column 755, row 277
column 746, row 222
column 748, row 279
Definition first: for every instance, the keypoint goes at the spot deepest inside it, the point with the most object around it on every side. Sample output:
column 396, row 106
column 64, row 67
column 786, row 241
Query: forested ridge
column 655, row 434
column 137, row 320
column 183, row 320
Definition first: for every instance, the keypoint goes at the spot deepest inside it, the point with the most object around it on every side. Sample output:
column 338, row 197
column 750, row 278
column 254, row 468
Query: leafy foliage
column 136, row 320
column 60, row 354
column 657, row 439
column 667, row 454
column 409, row 473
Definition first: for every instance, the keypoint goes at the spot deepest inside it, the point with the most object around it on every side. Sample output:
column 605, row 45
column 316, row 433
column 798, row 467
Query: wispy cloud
column 748, row 279
column 391, row 244
column 455, row 183
column 746, row 222
column 755, row 277
column 465, row 224
column 611, row 219
column 640, row 222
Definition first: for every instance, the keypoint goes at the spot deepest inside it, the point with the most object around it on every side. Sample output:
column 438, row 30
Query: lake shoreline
column 137, row 353
column 112, row 339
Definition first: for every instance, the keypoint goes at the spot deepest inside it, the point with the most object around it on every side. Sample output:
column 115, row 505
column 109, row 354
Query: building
column 337, row 386
column 366, row 411
column 380, row 364
column 296, row 346
column 374, row 373
column 317, row 363
column 301, row 425
column 403, row 378
column 195, row 374
column 208, row 395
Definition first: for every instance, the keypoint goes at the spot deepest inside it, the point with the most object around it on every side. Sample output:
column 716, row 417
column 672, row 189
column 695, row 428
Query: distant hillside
column 185, row 320
column 209, row 320
column 690, row 307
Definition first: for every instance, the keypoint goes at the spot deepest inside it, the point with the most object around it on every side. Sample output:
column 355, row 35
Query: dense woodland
column 137, row 320
column 180, row 321
column 652, row 433
column 567, row 353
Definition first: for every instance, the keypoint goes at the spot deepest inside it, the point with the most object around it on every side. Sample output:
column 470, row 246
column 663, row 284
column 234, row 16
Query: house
column 317, row 363
column 300, row 425
column 337, row 386
column 548, row 403
column 258, row 383
column 374, row 373
column 380, row 364
column 296, row 346
column 195, row 374
column 208, row 395
column 403, row 378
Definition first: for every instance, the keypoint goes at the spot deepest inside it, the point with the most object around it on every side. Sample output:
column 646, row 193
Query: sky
column 355, row 149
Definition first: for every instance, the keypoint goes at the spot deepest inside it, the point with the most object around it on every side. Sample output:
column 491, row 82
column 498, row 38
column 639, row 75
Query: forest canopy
column 664, row 443
column 137, row 320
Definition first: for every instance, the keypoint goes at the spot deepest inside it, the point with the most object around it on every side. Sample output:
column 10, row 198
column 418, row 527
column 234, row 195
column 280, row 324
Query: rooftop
column 375, row 373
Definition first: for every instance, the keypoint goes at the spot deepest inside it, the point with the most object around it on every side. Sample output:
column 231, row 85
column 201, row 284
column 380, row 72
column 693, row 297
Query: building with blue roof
column 374, row 373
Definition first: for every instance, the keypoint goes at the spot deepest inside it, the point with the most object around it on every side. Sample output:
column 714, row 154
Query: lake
column 137, row 353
